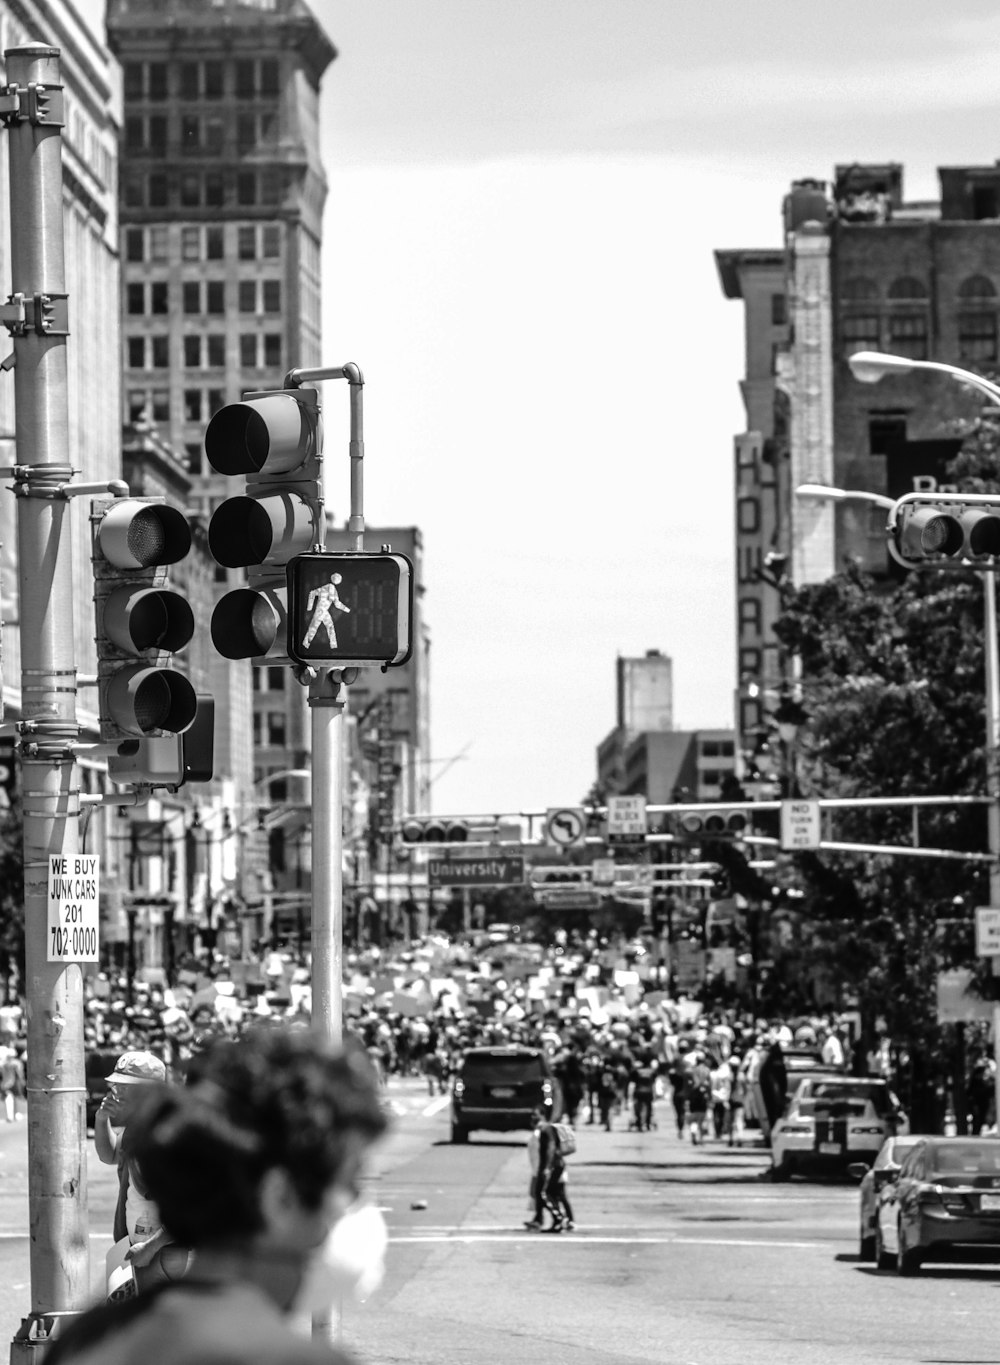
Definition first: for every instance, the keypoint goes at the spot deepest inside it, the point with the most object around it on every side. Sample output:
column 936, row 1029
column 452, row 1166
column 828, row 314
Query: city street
column 681, row 1255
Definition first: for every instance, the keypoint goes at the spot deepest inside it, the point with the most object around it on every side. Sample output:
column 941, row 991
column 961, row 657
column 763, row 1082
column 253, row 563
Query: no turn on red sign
column 800, row 824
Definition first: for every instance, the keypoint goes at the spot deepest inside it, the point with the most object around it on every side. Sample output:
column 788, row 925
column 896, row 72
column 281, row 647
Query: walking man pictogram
column 327, row 600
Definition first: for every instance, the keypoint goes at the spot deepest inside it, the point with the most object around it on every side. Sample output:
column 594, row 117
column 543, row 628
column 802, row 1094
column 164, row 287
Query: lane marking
column 435, row 1106
column 585, row 1238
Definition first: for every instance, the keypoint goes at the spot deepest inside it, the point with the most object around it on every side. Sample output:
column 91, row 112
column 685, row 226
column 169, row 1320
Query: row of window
column 244, row 78
column 270, row 728
column 158, row 135
column 205, row 352
column 153, row 405
column 150, row 297
column 254, row 242
column 909, row 288
column 908, row 334
column 201, row 189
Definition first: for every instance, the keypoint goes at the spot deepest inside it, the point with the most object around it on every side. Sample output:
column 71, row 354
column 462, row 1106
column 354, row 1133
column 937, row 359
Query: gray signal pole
column 31, row 106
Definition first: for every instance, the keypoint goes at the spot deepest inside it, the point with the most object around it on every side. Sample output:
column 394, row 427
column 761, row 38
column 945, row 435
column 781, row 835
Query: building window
column 272, row 296
column 276, row 728
column 157, row 140
column 272, row 243
column 246, row 188
column 215, row 190
column 885, row 433
column 192, row 405
column 137, row 353
column 136, row 405
column 158, row 297
column 246, row 243
column 190, row 133
column 248, row 351
column 276, row 680
column 216, row 400
column 133, row 80
column 161, row 352
column 192, row 352
column 212, row 73
column 193, row 452
column 246, row 84
column 779, row 310
column 272, row 350
column 191, row 244
column 157, row 80
column 248, row 296
column 135, row 191
column 135, row 133
column 269, row 76
column 189, row 80
column 191, row 292
column 860, row 332
column 156, row 188
column 216, row 296
column 158, row 243
column 216, row 351
column 907, row 287
column 135, row 299
column 214, row 244
column 190, row 191
column 161, row 405
column 908, row 335
column 977, row 335
column 246, row 132
column 214, row 136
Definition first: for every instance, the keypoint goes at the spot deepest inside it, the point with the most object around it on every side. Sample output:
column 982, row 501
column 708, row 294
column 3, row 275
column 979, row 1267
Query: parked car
column 874, row 1181
column 832, row 1120
column 943, row 1206
column 498, row 1087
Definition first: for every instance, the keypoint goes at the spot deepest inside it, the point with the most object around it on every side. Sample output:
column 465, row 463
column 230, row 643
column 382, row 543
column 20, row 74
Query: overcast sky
column 525, row 196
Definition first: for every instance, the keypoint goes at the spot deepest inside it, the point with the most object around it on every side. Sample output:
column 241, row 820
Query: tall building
column 222, row 195
column 644, row 701
column 860, row 269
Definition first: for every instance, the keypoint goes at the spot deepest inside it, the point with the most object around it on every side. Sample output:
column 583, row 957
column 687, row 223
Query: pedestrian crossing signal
column 350, row 609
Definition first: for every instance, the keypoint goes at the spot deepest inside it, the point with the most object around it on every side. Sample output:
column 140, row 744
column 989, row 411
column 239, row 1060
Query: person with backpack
column 643, row 1077
column 607, row 1091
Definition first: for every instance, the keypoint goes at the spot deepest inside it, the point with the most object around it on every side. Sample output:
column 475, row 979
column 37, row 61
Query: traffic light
column 274, row 440
column 140, row 623
column 699, row 827
column 350, row 609
column 430, row 829
column 957, row 529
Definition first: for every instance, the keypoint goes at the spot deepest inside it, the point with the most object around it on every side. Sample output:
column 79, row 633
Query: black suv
column 498, row 1087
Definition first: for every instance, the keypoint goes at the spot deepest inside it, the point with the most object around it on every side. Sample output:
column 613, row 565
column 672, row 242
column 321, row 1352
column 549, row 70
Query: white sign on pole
column 987, row 931
column 565, row 826
column 627, row 817
column 800, row 824
column 73, row 903
column 602, row 871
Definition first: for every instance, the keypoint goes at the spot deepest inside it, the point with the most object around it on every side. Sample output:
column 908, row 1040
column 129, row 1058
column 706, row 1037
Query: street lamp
column 871, row 366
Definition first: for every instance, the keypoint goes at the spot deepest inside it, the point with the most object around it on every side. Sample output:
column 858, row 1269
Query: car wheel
column 782, row 1170
column 866, row 1247
column 884, row 1260
column 459, row 1132
column 907, row 1259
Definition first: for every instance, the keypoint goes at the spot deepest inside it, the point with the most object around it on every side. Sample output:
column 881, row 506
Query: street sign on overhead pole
column 626, row 819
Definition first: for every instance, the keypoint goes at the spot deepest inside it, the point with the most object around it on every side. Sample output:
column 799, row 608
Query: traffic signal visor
column 946, row 529
column 139, row 620
column 713, row 824
column 434, row 830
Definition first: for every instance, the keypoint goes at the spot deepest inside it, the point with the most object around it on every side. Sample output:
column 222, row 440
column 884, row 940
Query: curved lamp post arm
column 871, row 366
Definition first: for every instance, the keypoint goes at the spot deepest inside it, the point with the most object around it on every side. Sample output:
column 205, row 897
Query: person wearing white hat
column 138, row 1232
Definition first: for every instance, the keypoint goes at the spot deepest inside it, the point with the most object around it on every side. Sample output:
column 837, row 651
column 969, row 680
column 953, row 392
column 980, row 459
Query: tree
column 892, row 678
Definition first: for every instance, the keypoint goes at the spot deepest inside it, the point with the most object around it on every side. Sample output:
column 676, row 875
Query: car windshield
column 853, row 1096
column 501, row 1070
column 966, row 1158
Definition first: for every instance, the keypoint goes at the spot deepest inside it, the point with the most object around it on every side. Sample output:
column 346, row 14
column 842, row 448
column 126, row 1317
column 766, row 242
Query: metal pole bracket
column 45, row 314
column 34, row 103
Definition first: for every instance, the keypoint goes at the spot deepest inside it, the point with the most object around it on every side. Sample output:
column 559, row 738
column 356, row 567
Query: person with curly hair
column 254, row 1165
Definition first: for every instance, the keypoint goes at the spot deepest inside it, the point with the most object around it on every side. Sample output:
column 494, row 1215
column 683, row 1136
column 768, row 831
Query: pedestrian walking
column 644, row 1073
column 12, row 1084
column 255, row 1165
column 699, row 1095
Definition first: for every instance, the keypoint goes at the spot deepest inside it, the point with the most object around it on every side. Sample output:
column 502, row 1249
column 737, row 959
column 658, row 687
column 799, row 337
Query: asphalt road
column 682, row 1255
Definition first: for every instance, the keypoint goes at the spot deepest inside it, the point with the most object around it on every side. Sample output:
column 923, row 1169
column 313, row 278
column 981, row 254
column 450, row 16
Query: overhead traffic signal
column 140, row 622
column 350, row 609
column 431, row 829
column 702, row 826
column 274, row 441
column 956, row 529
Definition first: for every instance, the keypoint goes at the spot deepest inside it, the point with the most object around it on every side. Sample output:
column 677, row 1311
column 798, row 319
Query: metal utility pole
column 31, row 107
column 991, row 649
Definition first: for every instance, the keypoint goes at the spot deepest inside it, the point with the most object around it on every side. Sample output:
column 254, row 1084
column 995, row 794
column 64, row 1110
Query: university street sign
column 505, row 870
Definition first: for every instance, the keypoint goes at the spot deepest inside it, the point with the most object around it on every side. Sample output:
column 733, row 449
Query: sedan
column 943, row 1206
column 874, row 1181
